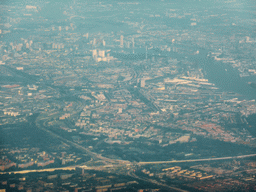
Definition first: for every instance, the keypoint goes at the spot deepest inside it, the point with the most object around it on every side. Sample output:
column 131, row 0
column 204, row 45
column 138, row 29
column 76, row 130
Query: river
column 224, row 76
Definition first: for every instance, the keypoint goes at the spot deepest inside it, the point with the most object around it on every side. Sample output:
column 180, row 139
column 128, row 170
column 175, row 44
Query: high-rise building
column 94, row 53
column 121, row 41
column 142, row 83
column 133, row 44
column 94, row 41
column 101, row 53
column 247, row 39
column 103, row 43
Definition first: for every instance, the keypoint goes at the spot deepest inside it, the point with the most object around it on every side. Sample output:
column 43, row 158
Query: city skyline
column 127, row 95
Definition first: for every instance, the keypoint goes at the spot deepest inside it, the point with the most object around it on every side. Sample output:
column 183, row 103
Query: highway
column 111, row 163
column 69, row 168
column 196, row 160
column 40, row 170
column 122, row 162
column 92, row 154
column 114, row 161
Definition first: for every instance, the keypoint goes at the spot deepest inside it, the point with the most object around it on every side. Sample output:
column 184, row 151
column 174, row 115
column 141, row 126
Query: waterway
column 224, row 76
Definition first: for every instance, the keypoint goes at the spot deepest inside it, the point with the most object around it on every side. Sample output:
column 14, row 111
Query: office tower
column 86, row 35
column 94, row 53
column 247, row 39
column 59, row 28
column 103, row 43
column 133, row 44
column 121, row 41
column 94, row 41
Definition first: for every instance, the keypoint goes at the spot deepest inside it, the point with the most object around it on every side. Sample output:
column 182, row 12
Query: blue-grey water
column 225, row 77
